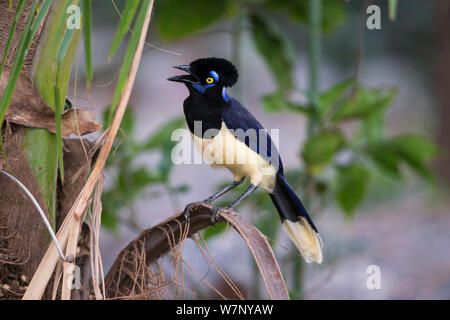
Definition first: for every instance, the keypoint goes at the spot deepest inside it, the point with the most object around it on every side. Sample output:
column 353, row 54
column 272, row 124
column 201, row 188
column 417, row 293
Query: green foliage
column 325, row 111
column 210, row 233
column 128, row 59
column 159, row 139
column 413, row 150
column 130, row 182
column 320, row 149
column 176, row 19
column 87, row 31
column 19, row 9
column 60, row 91
column 25, row 42
column 373, row 127
column 350, row 178
column 364, row 103
column 42, row 149
column 333, row 12
column 126, row 18
column 393, row 5
column 273, row 45
column 329, row 98
column 352, row 181
column 276, row 102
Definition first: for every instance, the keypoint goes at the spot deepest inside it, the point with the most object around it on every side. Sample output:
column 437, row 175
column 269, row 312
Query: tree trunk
column 31, row 157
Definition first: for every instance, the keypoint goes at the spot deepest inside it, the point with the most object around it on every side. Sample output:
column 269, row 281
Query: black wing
column 235, row 117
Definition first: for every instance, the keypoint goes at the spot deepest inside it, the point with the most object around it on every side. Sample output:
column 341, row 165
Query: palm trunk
column 31, row 156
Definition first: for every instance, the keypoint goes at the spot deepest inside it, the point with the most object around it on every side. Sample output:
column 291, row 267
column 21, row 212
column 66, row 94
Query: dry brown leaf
column 27, row 108
column 163, row 237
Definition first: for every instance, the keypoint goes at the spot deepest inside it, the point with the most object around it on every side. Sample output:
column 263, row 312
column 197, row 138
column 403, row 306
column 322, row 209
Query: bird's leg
column 220, row 193
column 215, row 212
column 191, row 206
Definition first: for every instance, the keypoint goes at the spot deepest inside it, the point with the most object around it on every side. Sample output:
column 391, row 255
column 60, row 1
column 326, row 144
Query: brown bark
column 23, row 236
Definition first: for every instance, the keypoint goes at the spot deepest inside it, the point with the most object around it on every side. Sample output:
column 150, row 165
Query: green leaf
column 126, row 18
column 364, row 103
column 333, row 12
column 87, row 30
column 110, row 211
column 128, row 123
column 268, row 221
column 332, row 96
column 276, row 50
column 142, row 177
column 414, row 150
column 60, row 93
column 373, row 127
column 181, row 188
column 64, row 54
column 386, row 160
column 276, row 102
column 166, row 163
column 19, row 9
column 393, row 5
column 24, row 44
column 177, row 19
column 41, row 15
column 320, row 149
column 162, row 141
column 215, row 231
column 128, row 59
column 351, row 186
column 39, row 143
column 162, row 136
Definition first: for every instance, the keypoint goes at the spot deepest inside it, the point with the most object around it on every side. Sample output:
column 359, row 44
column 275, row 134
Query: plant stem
column 315, row 11
column 314, row 55
column 236, row 43
column 39, row 144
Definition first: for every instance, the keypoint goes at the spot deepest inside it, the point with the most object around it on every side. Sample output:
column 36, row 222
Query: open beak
column 189, row 78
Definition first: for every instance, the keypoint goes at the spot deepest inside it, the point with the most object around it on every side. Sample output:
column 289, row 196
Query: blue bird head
column 208, row 76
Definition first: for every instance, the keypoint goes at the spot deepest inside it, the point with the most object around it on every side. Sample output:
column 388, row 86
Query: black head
column 208, row 75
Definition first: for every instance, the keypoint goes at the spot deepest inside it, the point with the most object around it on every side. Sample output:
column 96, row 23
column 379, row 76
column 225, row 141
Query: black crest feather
column 228, row 74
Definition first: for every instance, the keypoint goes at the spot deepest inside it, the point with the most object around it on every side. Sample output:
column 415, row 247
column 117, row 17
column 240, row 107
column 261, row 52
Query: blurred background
column 363, row 128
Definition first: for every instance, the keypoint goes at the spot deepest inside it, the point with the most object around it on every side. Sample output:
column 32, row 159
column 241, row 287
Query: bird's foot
column 216, row 211
column 189, row 209
column 192, row 206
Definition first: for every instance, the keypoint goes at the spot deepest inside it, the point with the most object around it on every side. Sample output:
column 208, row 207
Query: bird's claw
column 189, row 208
column 215, row 213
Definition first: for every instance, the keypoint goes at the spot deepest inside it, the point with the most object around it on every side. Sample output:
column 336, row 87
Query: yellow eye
column 209, row 80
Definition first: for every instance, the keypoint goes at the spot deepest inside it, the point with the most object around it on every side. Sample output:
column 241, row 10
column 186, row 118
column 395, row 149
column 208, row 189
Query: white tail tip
column 305, row 238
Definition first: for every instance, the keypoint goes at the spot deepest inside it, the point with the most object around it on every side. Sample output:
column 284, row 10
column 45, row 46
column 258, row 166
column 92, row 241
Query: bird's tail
column 296, row 221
